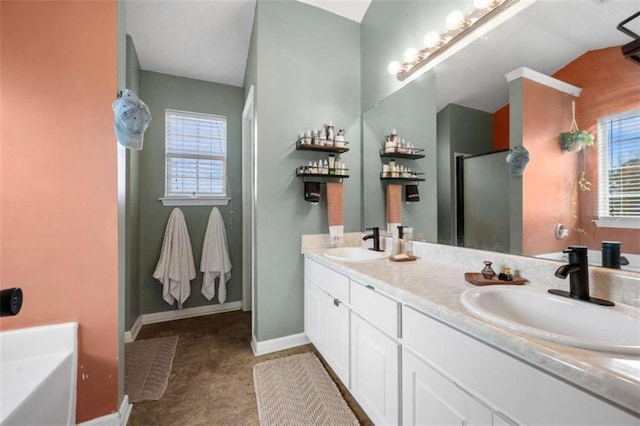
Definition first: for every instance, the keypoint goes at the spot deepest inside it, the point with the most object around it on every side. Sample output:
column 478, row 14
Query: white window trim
column 618, row 222
column 197, row 200
column 612, row 221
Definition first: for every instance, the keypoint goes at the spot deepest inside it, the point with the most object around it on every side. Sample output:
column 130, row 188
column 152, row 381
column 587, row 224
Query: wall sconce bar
column 471, row 22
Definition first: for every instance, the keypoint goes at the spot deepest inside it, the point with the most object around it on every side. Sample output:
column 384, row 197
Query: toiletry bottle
column 393, row 136
column 397, row 246
column 339, row 141
column 332, row 164
column 307, row 137
column 488, row 271
column 505, row 275
column 301, row 139
column 314, row 137
column 330, row 132
column 325, row 167
column 322, row 135
column 407, row 245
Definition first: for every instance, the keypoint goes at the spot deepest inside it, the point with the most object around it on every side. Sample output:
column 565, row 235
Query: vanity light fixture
column 458, row 26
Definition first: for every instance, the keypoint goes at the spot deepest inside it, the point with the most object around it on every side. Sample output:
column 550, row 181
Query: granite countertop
column 435, row 290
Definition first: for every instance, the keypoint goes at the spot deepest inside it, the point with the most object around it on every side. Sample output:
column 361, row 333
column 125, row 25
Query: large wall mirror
column 467, row 116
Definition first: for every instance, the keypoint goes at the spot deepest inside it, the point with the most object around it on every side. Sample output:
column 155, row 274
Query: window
column 619, row 170
column 195, row 158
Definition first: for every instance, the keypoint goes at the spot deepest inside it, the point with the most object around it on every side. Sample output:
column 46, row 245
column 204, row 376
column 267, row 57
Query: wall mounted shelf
column 403, row 179
column 300, row 173
column 300, row 146
column 411, row 153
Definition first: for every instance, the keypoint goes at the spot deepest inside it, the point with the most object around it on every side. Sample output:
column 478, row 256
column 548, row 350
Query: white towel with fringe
column 215, row 258
column 176, row 267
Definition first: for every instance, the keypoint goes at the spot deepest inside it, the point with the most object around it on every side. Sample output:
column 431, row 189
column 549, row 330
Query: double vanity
column 412, row 351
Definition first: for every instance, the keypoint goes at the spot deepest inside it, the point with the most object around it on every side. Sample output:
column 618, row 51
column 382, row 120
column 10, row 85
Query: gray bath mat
column 297, row 390
column 147, row 366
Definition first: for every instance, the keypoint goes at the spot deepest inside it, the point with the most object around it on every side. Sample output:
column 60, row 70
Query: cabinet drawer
column 376, row 308
column 335, row 284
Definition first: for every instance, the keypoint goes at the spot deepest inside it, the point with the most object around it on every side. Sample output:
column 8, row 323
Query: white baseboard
column 114, row 419
column 130, row 336
column 279, row 344
column 143, row 319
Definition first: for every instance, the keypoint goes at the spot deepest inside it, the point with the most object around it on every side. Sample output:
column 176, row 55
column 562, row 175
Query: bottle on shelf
column 332, row 164
column 330, row 132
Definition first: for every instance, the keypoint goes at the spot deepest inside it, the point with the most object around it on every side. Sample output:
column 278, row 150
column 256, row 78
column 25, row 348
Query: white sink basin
column 355, row 254
column 535, row 312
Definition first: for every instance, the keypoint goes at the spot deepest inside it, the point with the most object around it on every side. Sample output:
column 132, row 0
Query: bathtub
column 595, row 259
column 38, row 368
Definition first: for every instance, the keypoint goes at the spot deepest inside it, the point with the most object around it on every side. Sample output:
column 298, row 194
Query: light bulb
column 431, row 39
column 454, row 20
column 482, row 4
column 410, row 55
column 394, row 67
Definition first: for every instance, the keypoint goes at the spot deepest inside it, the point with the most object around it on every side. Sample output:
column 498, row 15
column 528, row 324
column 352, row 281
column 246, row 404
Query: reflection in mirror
column 480, row 115
column 412, row 113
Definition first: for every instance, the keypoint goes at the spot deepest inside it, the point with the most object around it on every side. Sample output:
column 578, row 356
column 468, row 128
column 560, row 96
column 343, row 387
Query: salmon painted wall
column 610, row 84
column 58, row 184
column 501, row 128
column 547, row 181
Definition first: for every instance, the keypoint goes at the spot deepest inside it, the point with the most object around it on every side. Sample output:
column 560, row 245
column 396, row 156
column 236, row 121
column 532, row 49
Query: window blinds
column 196, row 154
column 619, row 165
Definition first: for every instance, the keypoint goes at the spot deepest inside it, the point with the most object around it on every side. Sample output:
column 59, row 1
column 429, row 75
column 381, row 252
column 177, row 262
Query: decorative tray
column 402, row 258
column 476, row 278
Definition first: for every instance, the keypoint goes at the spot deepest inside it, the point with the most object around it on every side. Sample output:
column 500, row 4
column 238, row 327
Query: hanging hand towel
column 215, row 258
column 176, row 268
column 335, row 201
column 394, row 208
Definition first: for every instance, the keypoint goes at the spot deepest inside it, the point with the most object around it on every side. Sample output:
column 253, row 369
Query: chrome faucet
column 578, row 272
column 376, row 238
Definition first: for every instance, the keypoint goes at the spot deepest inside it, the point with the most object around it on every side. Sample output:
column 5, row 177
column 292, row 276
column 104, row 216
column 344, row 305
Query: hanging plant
column 574, row 140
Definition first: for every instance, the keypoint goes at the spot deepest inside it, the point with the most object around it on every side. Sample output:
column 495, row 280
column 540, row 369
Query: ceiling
column 544, row 37
column 206, row 40
column 209, row 40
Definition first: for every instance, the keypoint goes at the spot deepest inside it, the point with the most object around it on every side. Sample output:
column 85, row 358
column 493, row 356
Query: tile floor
column 211, row 382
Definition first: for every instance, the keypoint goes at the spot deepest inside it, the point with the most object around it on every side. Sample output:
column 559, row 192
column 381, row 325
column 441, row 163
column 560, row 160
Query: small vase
column 487, row 271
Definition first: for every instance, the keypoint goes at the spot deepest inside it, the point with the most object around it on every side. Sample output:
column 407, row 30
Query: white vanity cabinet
column 428, row 398
column 470, row 380
column 355, row 329
column 327, row 316
column 406, row 367
column 375, row 353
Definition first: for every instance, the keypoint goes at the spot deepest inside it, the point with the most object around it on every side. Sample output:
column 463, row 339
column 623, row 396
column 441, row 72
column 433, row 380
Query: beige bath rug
column 147, row 366
column 297, row 390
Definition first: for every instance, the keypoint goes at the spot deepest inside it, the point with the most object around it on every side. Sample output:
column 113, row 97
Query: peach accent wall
column 58, row 180
column 548, row 178
column 501, row 128
column 610, row 84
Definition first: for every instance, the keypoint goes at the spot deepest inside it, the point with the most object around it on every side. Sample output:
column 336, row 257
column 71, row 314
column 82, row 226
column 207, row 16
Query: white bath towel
column 215, row 258
column 175, row 267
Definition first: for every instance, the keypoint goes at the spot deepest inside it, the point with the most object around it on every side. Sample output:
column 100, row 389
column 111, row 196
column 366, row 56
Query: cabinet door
column 430, row 399
column 374, row 372
column 314, row 301
column 336, row 338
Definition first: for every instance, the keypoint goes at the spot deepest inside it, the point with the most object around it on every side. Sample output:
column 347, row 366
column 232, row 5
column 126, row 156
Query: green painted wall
column 460, row 130
column 160, row 92
column 308, row 72
column 132, row 221
column 412, row 112
column 388, row 29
